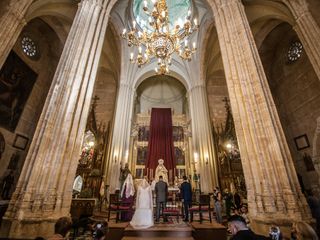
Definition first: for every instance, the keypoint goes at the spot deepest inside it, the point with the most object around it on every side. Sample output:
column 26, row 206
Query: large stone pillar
column 307, row 29
column 274, row 195
column 121, row 132
column 202, row 137
column 12, row 23
column 44, row 189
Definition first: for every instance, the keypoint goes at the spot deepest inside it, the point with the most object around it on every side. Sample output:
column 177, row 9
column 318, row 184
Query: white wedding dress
column 143, row 215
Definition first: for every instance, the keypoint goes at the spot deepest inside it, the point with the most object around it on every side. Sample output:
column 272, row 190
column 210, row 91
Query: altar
column 82, row 207
column 173, row 193
column 140, row 142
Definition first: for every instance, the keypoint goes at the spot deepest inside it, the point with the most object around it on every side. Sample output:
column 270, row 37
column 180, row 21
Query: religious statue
column 176, row 182
column 161, row 171
column 77, row 184
column 123, row 174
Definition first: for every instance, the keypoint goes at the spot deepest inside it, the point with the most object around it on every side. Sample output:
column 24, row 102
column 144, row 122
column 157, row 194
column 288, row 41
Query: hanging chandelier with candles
column 159, row 40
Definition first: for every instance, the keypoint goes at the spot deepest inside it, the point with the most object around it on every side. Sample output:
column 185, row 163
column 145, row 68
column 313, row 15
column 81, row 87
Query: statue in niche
column 2, row 144
column 77, row 184
column 161, row 170
column 123, row 174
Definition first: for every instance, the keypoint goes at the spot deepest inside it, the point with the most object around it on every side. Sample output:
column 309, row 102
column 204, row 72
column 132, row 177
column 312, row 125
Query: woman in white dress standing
column 143, row 216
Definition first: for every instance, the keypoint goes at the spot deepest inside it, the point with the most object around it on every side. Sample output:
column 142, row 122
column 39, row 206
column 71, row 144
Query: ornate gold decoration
column 161, row 42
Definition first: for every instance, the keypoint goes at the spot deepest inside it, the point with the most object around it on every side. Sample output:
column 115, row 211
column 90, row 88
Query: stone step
column 157, row 238
column 161, row 230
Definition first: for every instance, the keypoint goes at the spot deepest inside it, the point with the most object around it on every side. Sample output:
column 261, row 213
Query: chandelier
column 161, row 42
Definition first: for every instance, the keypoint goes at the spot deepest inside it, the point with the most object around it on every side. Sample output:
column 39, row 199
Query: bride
column 143, row 216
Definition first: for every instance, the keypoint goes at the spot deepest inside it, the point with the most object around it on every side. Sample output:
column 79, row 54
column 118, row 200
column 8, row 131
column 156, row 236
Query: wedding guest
column 61, row 228
column 217, row 204
column 303, row 231
column 240, row 231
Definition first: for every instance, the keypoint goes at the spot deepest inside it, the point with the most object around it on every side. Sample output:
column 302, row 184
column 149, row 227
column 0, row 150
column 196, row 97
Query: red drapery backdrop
column 160, row 143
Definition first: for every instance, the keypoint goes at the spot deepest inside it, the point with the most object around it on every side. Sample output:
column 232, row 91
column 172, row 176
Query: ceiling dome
column 178, row 11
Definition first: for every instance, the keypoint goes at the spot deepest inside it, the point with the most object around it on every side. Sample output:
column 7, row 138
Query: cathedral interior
column 75, row 106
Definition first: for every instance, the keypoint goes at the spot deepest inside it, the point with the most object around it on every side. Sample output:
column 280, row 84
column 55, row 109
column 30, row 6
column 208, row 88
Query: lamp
column 161, row 42
column 196, row 157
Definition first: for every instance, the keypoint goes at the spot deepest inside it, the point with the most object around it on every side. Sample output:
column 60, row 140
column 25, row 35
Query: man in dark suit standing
column 161, row 190
column 186, row 196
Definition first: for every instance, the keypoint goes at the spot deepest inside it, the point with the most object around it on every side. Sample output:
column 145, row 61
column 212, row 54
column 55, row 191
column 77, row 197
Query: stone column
column 316, row 148
column 273, row 191
column 44, row 189
column 12, row 23
column 307, row 29
column 202, row 138
column 121, row 132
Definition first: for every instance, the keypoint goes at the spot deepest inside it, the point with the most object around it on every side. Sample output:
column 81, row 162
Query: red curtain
column 160, row 143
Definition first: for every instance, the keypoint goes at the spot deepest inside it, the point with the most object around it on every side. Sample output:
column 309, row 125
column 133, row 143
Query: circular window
column 178, row 11
column 29, row 47
column 295, row 51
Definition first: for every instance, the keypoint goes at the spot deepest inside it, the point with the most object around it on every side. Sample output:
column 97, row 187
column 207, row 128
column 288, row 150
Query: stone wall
column 296, row 92
column 50, row 49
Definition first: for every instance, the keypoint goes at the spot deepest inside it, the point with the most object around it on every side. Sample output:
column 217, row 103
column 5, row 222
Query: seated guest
column 239, row 230
column 301, row 230
column 244, row 214
column 127, row 197
column 100, row 231
column 234, row 211
column 61, row 228
column 275, row 233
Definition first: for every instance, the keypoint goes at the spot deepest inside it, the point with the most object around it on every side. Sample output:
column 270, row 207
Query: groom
column 161, row 190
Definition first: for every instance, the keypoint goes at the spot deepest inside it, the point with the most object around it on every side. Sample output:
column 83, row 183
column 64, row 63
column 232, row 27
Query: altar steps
column 157, row 238
column 169, row 231
column 160, row 231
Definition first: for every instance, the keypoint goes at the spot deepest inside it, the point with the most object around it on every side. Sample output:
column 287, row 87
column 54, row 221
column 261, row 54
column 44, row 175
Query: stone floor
column 173, row 229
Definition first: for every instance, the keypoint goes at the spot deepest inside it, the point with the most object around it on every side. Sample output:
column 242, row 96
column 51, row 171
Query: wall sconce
column 229, row 145
column 207, row 160
column 127, row 155
column 115, row 158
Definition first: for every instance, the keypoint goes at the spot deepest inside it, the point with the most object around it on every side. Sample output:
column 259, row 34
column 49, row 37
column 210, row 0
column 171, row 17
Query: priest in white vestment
column 143, row 216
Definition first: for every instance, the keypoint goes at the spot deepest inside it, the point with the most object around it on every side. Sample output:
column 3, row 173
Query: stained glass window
column 29, row 47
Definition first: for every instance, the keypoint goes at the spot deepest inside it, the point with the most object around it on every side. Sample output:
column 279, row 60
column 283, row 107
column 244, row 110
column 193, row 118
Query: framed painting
column 20, row 142
column 142, row 155
column 301, row 142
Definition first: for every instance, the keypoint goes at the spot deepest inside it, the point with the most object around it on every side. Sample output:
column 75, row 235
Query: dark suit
column 161, row 190
column 186, row 195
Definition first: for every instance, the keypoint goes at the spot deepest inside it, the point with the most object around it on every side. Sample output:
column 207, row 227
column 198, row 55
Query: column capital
column 199, row 86
column 221, row 4
column 298, row 8
column 100, row 3
column 18, row 15
column 126, row 85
